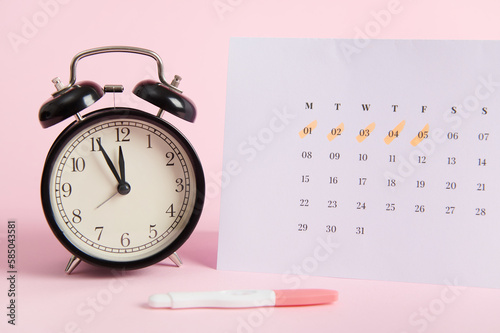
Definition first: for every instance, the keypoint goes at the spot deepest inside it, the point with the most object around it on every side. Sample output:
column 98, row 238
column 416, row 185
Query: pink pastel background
column 38, row 40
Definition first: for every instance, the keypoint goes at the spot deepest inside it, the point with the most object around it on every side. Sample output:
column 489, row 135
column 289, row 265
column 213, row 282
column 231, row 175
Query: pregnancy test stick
column 243, row 298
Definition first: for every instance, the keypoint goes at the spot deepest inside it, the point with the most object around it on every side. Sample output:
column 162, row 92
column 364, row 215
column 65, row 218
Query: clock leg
column 73, row 262
column 175, row 259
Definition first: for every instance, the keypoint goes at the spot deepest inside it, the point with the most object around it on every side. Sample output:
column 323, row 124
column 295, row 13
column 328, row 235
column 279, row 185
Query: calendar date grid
column 433, row 181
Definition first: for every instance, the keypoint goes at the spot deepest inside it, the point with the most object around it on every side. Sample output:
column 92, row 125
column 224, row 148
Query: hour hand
column 123, row 186
column 121, row 164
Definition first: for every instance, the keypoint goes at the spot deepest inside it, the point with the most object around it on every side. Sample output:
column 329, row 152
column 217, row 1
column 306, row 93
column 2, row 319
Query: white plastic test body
column 214, row 299
column 242, row 298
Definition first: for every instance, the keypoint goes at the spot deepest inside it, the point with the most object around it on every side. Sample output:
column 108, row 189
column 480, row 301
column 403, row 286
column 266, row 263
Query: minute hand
column 110, row 164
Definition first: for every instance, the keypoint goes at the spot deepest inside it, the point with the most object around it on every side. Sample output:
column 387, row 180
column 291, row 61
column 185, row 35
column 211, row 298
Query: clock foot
column 175, row 259
column 73, row 262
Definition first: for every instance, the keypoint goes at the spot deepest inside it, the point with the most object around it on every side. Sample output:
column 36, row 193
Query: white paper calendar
column 373, row 160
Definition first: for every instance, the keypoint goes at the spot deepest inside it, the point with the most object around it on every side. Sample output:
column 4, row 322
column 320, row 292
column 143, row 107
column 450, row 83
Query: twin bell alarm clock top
column 121, row 188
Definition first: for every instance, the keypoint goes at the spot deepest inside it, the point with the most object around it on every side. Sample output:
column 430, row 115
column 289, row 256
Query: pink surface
column 291, row 297
column 40, row 37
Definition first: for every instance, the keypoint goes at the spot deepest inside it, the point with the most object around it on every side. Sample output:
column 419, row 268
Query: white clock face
column 131, row 206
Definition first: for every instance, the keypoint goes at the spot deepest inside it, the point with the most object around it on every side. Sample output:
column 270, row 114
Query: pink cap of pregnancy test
column 295, row 297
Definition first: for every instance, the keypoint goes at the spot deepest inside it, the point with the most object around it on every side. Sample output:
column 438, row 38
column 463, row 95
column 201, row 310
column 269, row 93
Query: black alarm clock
column 121, row 187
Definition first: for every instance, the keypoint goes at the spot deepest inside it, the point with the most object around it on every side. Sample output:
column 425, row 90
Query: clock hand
column 123, row 186
column 108, row 161
column 121, row 164
column 107, row 200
